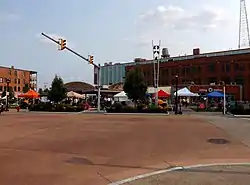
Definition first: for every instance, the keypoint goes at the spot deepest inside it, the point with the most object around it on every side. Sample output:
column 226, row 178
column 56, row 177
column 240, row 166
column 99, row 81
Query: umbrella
column 215, row 94
column 30, row 94
column 163, row 94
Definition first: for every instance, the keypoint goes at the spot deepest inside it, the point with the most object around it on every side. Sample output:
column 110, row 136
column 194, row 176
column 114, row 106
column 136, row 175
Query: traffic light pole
column 82, row 57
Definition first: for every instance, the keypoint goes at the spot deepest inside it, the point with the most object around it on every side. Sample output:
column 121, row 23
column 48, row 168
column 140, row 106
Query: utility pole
column 156, row 57
column 90, row 60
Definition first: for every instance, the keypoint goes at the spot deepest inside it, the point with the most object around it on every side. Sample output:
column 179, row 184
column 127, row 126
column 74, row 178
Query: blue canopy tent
column 215, row 94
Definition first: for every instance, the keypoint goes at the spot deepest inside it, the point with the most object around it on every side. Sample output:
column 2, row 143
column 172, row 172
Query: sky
column 111, row 30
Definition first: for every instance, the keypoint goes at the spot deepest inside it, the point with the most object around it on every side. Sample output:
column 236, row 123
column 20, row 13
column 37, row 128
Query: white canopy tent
column 121, row 96
column 72, row 94
column 185, row 92
column 3, row 98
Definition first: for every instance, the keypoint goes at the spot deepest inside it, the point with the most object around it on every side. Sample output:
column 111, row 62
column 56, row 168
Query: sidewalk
column 222, row 175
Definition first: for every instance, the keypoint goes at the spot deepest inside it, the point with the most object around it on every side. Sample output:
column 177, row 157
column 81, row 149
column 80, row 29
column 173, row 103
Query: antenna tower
column 244, row 39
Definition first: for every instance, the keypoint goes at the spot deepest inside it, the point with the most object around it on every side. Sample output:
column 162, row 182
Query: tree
column 3, row 94
column 11, row 93
column 134, row 85
column 40, row 91
column 26, row 88
column 57, row 92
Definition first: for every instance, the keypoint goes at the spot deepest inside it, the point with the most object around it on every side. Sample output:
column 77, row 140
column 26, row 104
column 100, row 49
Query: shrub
column 240, row 111
column 127, row 109
column 48, row 107
column 206, row 110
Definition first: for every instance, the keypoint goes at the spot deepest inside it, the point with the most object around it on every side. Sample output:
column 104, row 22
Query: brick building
column 231, row 67
column 18, row 79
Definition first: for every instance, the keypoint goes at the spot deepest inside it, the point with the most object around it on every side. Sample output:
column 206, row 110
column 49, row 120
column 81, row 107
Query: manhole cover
column 79, row 160
column 219, row 141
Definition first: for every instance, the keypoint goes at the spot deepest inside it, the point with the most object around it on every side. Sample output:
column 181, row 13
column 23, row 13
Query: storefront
column 233, row 91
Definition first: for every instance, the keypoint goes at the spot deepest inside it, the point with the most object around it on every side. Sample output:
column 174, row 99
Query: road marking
column 175, row 169
column 248, row 119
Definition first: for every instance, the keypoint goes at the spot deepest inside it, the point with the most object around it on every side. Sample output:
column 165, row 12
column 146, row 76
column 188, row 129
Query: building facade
column 112, row 73
column 18, row 79
column 230, row 67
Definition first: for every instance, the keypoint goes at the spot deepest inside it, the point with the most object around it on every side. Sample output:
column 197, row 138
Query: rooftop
column 18, row 69
column 190, row 57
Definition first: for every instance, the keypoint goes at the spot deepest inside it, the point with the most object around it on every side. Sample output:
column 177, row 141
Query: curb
column 241, row 116
column 37, row 112
column 146, row 114
column 175, row 169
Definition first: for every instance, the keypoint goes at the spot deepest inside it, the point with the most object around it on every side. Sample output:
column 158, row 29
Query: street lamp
column 7, row 93
column 176, row 94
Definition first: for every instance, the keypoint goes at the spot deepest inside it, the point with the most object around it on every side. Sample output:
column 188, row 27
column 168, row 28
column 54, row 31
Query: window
column 212, row 80
column 211, row 68
column 15, row 73
column 173, row 81
column 5, row 88
column 226, row 79
column 15, row 81
column 19, row 81
column 166, row 71
column 238, row 67
column 199, row 69
column 194, row 70
column 18, row 89
column 183, row 71
column 1, row 88
column 15, row 88
column 173, row 71
column 227, row 68
column 239, row 80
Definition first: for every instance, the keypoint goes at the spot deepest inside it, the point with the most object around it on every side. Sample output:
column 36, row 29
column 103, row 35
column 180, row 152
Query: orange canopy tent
column 30, row 94
column 163, row 94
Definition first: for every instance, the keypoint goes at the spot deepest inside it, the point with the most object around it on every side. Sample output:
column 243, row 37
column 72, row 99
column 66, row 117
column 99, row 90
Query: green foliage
column 26, row 88
column 134, row 85
column 57, row 92
column 3, row 94
column 40, row 91
column 11, row 93
column 48, row 107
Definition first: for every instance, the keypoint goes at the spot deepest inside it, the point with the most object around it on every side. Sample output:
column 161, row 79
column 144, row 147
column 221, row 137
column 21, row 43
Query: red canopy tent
column 30, row 94
column 163, row 94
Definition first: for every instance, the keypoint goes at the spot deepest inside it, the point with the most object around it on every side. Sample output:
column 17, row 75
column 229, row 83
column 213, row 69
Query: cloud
column 173, row 21
column 6, row 17
column 56, row 37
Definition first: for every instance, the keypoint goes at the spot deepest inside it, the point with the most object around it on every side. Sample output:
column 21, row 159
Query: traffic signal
column 62, row 44
column 91, row 59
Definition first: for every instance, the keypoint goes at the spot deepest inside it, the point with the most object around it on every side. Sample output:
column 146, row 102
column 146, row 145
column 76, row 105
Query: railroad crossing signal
column 62, row 43
column 91, row 59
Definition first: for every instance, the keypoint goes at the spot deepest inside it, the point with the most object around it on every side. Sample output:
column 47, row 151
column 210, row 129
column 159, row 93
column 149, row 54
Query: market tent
column 73, row 94
column 215, row 94
column 163, row 94
column 30, row 94
column 185, row 92
column 3, row 98
column 121, row 96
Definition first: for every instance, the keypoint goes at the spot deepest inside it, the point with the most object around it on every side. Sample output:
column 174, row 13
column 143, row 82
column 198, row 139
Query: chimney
column 196, row 51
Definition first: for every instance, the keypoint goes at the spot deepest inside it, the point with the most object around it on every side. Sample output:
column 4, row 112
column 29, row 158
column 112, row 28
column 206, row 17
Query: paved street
column 99, row 149
column 222, row 175
column 239, row 129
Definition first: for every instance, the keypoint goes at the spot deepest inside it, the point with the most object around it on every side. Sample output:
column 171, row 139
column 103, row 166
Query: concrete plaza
column 96, row 149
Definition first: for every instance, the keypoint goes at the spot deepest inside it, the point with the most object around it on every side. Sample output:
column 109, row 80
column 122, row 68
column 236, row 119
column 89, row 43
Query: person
column 1, row 107
column 227, row 108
